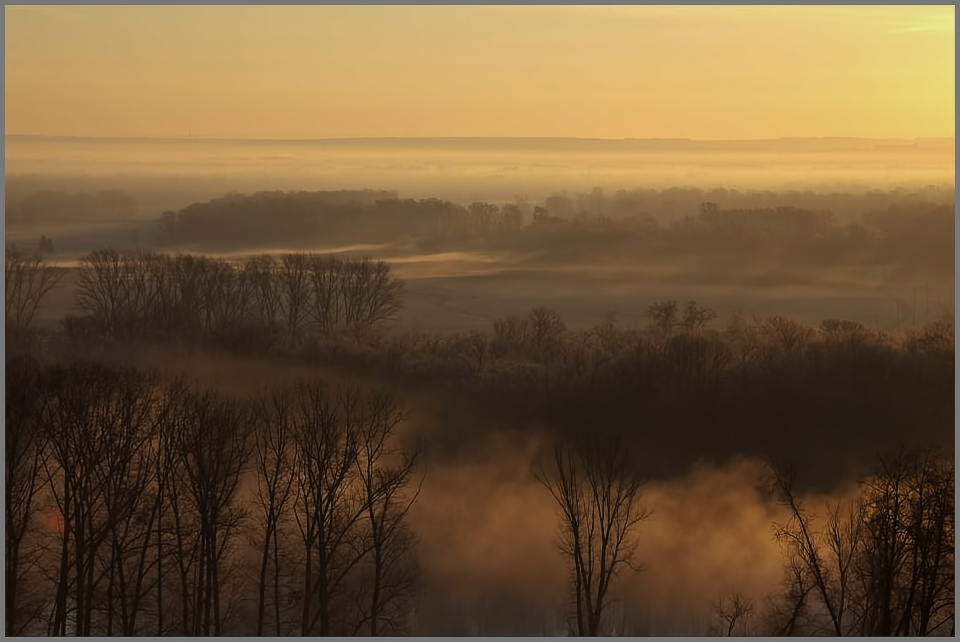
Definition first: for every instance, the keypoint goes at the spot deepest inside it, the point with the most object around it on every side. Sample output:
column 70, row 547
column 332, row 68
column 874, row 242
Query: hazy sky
column 605, row 72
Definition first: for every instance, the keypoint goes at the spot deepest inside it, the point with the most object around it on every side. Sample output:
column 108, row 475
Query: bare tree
column 695, row 317
column 597, row 487
column 100, row 425
column 510, row 335
column 932, row 524
column 546, row 329
column 788, row 612
column 734, row 610
column 477, row 346
column 25, row 455
column 609, row 334
column 384, row 473
column 805, row 543
column 132, row 500
column 380, row 296
column 327, row 304
column 885, row 564
column 187, row 287
column 142, row 289
column 350, row 509
column 213, row 448
column 329, row 505
column 293, row 277
column 27, row 281
column 262, row 273
column 273, row 438
column 787, row 334
column 102, row 289
column 906, row 566
column 664, row 316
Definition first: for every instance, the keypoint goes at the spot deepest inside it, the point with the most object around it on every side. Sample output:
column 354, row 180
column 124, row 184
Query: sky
column 703, row 72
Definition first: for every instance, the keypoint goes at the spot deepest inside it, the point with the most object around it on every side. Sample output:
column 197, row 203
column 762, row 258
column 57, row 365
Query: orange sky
column 608, row 72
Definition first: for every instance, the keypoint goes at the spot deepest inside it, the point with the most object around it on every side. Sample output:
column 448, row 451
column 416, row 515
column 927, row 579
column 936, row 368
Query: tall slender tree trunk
column 215, row 580
column 323, row 598
column 60, row 619
column 160, row 568
column 276, row 580
column 375, row 600
column 81, row 576
column 307, row 592
column 262, row 586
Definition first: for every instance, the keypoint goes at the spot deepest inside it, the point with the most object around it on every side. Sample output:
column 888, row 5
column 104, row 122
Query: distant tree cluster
column 169, row 509
column 329, row 217
column 909, row 227
column 917, row 237
column 142, row 293
column 678, row 202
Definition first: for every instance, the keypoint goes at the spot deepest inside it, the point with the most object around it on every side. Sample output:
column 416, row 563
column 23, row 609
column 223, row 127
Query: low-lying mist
column 492, row 532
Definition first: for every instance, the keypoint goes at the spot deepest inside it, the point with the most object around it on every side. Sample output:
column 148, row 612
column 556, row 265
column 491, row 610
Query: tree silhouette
column 597, row 487
column 273, row 455
column 384, row 473
column 25, row 455
column 885, row 564
column 213, row 447
column 27, row 281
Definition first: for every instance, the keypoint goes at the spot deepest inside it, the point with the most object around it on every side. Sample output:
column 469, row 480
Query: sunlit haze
column 517, row 71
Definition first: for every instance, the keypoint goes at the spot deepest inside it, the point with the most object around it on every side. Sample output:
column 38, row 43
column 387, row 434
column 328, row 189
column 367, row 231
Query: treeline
column 915, row 237
column 759, row 387
column 305, row 303
column 675, row 373
column 140, row 505
column 291, row 218
column 892, row 227
column 763, row 385
column 677, row 202
column 255, row 301
column 49, row 206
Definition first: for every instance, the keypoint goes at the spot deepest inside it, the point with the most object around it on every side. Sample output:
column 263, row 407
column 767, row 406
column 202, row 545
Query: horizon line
column 474, row 138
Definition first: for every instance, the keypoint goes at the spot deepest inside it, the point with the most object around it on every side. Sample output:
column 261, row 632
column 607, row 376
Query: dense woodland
column 144, row 502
